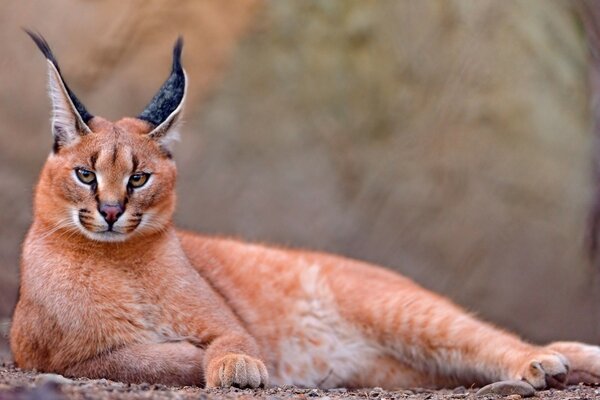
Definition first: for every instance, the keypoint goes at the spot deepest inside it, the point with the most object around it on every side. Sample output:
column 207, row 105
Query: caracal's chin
column 106, row 236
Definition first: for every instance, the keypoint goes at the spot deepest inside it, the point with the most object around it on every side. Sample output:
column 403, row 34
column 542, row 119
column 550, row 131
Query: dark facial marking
column 83, row 217
column 134, row 224
column 86, row 224
column 93, row 160
column 115, row 153
column 135, row 162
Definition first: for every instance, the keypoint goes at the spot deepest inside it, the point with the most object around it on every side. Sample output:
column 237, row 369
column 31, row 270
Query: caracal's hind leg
column 174, row 363
column 584, row 360
column 432, row 335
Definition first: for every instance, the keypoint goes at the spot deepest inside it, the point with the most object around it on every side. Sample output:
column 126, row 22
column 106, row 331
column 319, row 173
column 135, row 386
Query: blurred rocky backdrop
column 449, row 140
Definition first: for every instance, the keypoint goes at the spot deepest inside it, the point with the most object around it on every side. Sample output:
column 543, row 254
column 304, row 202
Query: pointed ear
column 69, row 116
column 165, row 110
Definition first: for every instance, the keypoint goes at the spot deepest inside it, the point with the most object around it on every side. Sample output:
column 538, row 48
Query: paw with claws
column 584, row 360
column 236, row 370
column 545, row 369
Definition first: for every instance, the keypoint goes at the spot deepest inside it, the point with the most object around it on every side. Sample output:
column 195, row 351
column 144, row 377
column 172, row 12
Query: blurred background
column 449, row 140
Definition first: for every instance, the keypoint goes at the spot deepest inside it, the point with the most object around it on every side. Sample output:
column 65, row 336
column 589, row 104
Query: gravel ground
column 17, row 384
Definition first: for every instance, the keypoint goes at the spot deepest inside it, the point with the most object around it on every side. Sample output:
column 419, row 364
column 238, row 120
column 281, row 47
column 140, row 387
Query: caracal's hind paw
column 544, row 369
column 584, row 360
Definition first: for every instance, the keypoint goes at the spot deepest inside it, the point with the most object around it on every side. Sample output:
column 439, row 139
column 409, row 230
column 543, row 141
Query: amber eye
column 138, row 180
column 85, row 176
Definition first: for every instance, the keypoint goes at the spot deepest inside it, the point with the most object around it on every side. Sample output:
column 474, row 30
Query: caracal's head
column 109, row 181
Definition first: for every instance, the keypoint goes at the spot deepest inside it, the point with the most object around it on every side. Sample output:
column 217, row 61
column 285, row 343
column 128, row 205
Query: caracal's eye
column 85, row 176
column 138, row 180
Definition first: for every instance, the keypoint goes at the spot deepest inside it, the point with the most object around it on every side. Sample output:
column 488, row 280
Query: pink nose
column 111, row 212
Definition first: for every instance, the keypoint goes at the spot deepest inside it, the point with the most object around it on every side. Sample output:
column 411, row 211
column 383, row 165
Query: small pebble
column 459, row 390
column 53, row 379
column 507, row 388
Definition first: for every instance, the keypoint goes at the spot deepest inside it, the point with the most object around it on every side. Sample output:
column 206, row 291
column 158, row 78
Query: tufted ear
column 69, row 116
column 165, row 109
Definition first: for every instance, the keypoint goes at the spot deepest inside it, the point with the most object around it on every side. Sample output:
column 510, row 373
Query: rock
column 459, row 390
column 55, row 379
column 507, row 388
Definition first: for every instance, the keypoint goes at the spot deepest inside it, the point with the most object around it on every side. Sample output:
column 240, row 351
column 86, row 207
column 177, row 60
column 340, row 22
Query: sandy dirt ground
column 17, row 384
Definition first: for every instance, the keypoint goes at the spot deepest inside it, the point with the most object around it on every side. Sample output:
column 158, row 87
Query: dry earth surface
column 17, row 384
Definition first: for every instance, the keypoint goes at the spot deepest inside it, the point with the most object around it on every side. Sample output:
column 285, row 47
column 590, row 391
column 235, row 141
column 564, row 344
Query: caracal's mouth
column 99, row 231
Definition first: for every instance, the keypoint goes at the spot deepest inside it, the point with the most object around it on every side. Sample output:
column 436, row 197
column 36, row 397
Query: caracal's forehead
column 120, row 147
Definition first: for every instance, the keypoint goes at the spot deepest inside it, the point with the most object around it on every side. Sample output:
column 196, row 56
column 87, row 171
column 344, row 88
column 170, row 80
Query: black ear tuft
column 177, row 49
column 42, row 44
column 171, row 93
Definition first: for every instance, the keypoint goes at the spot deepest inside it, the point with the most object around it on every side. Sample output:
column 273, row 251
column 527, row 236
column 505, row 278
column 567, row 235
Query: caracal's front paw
column 236, row 370
column 544, row 369
column 584, row 360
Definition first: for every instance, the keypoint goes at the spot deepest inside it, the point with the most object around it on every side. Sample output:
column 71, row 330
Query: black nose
column 111, row 212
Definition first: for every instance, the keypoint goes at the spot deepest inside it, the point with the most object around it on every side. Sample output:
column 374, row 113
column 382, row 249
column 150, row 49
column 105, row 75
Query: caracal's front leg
column 232, row 356
column 176, row 363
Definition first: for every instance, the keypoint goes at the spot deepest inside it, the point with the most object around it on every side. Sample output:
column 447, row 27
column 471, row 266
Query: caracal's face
column 109, row 181
column 110, row 185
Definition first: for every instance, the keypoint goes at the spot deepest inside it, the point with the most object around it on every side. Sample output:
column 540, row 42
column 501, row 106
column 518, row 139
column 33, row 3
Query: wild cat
column 110, row 289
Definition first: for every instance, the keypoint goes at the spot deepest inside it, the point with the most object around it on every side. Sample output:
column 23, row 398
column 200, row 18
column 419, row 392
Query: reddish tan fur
column 150, row 303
